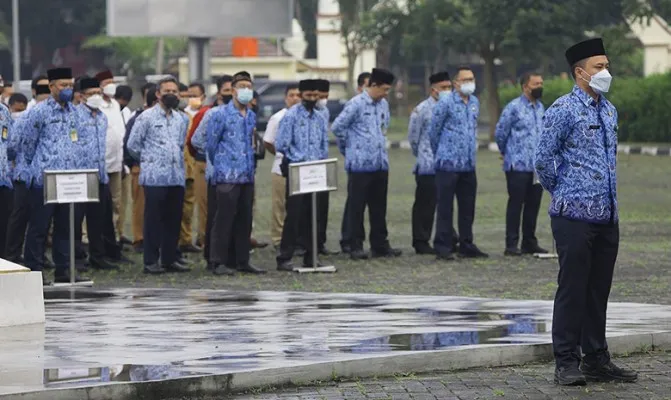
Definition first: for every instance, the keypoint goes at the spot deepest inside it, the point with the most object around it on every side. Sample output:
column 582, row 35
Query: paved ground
column 526, row 382
column 643, row 270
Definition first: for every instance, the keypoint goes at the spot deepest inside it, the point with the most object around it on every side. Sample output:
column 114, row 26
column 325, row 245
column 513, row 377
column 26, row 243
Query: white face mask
column 322, row 103
column 600, row 81
column 96, row 101
column 16, row 115
column 467, row 88
column 110, row 90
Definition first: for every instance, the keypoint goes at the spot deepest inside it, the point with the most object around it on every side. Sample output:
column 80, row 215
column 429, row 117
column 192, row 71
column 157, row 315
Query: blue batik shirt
column 576, row 157
column 92, row 135
column 418, row 136
column 517, row 133
column 21, row 170
column 362, row 126
column 229, row 148
column 49, row 139
column 453, row 133
column 324, row 112
column 157, row 141
column 302, row 135
column 6, row 127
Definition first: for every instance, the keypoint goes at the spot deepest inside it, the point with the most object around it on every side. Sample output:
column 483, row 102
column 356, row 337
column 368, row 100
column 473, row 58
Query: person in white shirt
column 291, row 97
column 116, row 129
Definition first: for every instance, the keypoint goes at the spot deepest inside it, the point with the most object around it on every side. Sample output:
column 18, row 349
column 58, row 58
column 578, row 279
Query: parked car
column 271, row 99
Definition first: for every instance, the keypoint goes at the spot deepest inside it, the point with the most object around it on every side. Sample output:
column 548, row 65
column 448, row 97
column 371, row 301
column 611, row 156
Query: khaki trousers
column 279, row 211
column 200, row 191
column 115, row 190
column 124, row 204
column 137, row 195
column 186, row 232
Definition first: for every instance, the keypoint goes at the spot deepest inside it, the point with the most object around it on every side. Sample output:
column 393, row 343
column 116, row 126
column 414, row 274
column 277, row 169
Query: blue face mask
column 444, row 94
column 245, row 95
column 65, row 95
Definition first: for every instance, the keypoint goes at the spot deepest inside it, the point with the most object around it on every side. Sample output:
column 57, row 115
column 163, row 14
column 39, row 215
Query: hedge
column 643, row 104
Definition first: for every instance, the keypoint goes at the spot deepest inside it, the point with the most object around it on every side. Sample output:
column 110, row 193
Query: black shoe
column 222, row 270
column 389, row 252
column 65, row 278
column 103, row 265
column 286, row 266
column 608, row 372
column 189, row 248
column 250, row 269
column 125, row 240
column 358, row 255
column 445, row 257
column 533, row 250
column 512, row 251
column 300, row 251
column 424, row 248
column 154, row 269
column 138, row 248
column 120, row 259
column 472, row 251
column 176, row 267
column 569, row 376
column 345, row 248
column 211, row 266
column 326, row 252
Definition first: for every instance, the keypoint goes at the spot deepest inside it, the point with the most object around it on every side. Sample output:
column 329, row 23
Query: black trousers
column 424, row 209
column 6, row 202
column 100, row 228
column 162, row 223
column 211, row 211
column 587, row 254
column 229, row 237
column 524, row 201
column 345, row 229
column 463, row 185
column 368, row 189
column 38, row 227
column 18, row 222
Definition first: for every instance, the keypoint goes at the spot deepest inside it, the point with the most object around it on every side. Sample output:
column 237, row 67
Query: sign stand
column 313, row 177
column 70, row 187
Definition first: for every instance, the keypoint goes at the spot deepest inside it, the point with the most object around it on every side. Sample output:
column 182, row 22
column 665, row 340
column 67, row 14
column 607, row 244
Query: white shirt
column 191, row 112
column 270, row 135
column 126, row 113
column 30, row 104
column 116, row 130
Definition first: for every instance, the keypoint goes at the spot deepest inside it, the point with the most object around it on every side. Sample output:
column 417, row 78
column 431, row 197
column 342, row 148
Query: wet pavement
column 94, row 337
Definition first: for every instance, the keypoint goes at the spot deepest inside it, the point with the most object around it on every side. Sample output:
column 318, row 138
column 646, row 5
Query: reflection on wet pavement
column 95, row 337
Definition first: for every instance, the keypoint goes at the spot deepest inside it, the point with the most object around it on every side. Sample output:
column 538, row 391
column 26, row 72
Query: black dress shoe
column 154, row 269
column 512, row 251
column 220, row 270
column 358, row 255
column 608, row 372
column 424, row 248
column 472, row 251
column 250, row 269
column 345, row 249
column 533, row 250
column 119, row 258
column 286, row 266
column 176, row 267
column 103, row 265
column 65, row 278
column 389, row 252
column 569, row 376
column 445, row 256
column 125, row 240
column 189, row 248
column 326, row 252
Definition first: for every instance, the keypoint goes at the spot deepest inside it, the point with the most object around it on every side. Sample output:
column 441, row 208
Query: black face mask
column 309, row 104
column 537, row 93
column 225, row 99
column 170, row 101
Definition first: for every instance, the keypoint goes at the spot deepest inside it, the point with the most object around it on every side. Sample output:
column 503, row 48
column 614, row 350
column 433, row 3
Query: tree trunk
column 160, row 56
column 351, row 59
column 491, row 85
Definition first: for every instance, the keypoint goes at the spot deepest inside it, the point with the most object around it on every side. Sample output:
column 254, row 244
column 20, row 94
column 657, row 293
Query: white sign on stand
column 71, row 187
column 313, row 177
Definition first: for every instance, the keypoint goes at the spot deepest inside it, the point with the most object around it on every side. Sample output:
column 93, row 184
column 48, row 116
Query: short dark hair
column 462, row 68
column 198, row 85
column 255, row 94
column 580, row 64
column 524, row 79
column 361, row 79
column 292, row 86
column 147, row 87
column 124, row 92
column 17, row 98
column 8, row 84
column 165, row 80
column 223, row 79
column 182, row 87
column 33, row 84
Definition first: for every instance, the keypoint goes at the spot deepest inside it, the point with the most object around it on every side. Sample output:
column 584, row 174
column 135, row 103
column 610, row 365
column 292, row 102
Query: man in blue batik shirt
column 157, row 141
column 302, row 136
column 226, row 139
column 454, row 142
column 575, row 162
column 362, row 126
column 6, row 194
column 424, row 208
column 517, row 134
column 50, row 141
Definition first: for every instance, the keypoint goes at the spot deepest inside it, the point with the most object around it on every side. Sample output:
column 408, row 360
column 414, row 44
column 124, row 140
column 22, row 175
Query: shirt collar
column 52, row 103
column 431, row 100
column 367, row 98
column 584, row 97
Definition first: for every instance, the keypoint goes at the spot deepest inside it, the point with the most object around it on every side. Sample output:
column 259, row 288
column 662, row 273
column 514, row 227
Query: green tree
column 354, row 19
